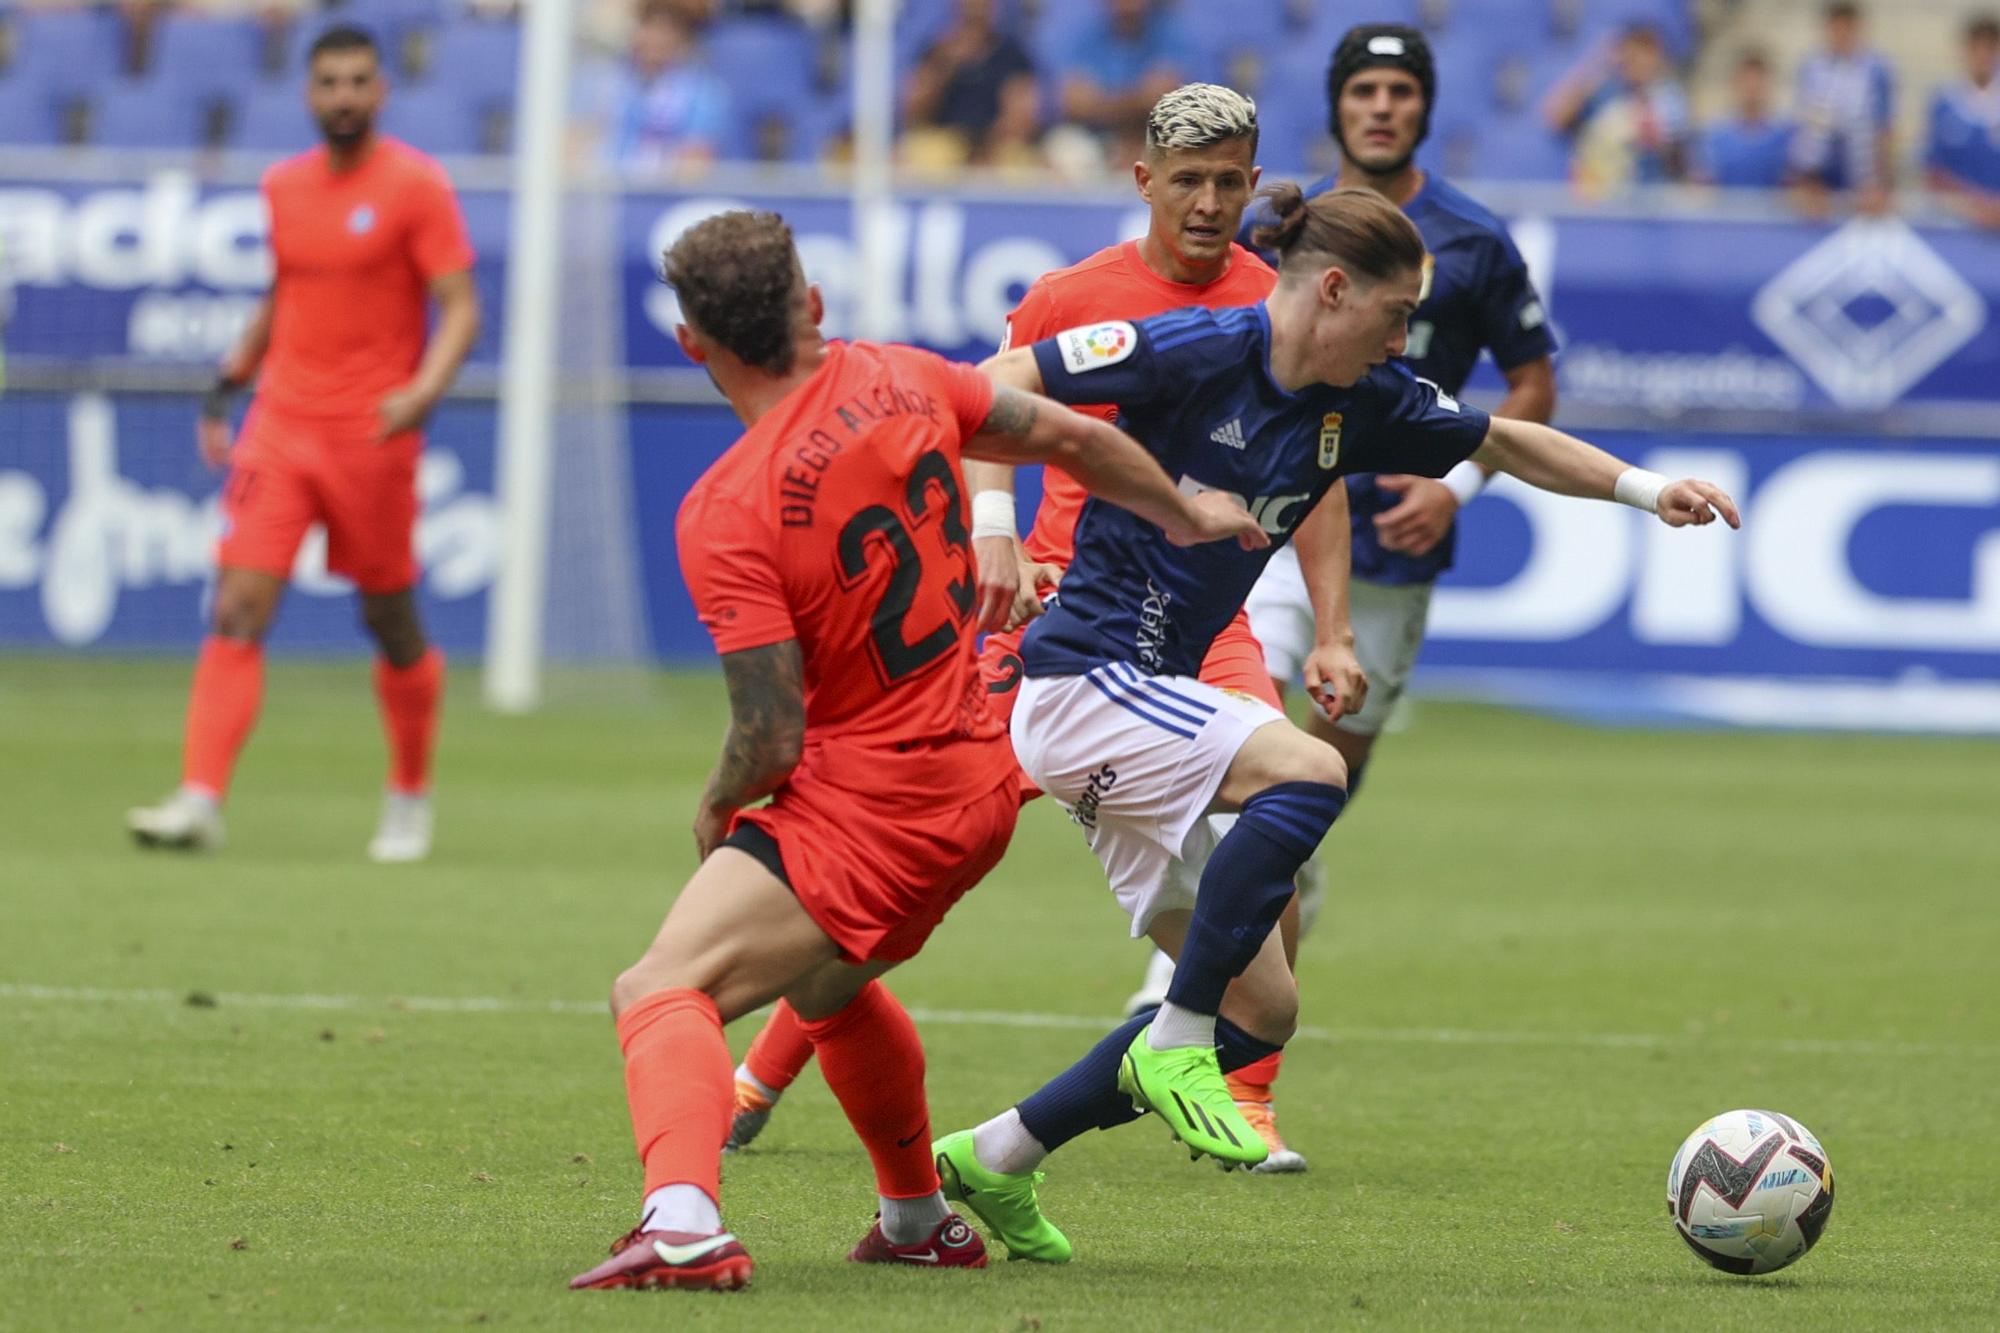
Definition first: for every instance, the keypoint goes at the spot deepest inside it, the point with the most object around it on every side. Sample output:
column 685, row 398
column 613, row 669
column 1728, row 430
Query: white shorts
column 1136, row 760
column 1389, row 621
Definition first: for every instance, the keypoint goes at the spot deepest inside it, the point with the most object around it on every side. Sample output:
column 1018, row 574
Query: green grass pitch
column 1549, row 953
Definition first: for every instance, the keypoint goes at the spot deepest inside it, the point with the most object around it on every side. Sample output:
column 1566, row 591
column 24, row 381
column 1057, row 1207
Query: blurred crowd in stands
column 1593, row 92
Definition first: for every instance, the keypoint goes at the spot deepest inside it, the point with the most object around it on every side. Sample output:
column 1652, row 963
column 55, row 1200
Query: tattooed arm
column 767, row 731
column 1024, row 427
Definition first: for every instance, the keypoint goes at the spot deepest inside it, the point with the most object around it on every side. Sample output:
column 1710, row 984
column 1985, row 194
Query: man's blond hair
column 1200, row 115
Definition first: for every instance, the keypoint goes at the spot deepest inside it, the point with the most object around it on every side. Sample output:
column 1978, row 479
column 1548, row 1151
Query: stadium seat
column 209, row 58
column 480, row 59
column 819, row 123
column 1518, row 148
column 148, row 113
column 272, row 118
column 436, row 119
column 1291, row 115
column 29, row 115
column 1330, row 21
column 72, row 52
column 768, row 65
column 1465, row 60
column 1231, row 38
column 393, row 20
column 766, row 62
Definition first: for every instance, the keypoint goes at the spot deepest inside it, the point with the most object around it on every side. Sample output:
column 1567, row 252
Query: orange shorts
column 878, row 879
column 1235, row 661
column 291, row 472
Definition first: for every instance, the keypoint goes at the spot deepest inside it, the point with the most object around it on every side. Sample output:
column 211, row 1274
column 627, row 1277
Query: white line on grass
column 1007, row 1018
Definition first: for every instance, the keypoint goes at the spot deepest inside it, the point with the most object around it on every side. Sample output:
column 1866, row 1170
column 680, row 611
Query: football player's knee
column 1322, row 764
column 654, row 972
column 240, row 616
column 392, row 622
column 629, row 987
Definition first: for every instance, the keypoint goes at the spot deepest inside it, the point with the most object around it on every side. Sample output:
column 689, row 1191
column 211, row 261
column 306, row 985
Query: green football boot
column 1184, row 1084
column 1006, row 1203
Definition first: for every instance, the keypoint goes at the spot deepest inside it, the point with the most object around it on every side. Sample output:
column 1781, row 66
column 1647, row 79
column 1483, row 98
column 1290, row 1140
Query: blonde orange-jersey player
column 1197, row 196
column 829, row 556
column 365, row 235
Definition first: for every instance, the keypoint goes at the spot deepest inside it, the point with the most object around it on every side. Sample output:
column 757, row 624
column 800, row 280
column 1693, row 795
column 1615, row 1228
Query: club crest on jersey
column 1329, row 440
column 1096, row 345
column 362, row 219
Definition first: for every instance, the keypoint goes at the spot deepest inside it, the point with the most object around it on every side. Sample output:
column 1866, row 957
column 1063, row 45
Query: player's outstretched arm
column 767, row 734
column 1546, row 458
column 1026, row 428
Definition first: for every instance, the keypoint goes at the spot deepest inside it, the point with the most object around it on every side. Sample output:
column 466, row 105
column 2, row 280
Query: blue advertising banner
column 1665, row 314
column 1861, row 560
column 108, row 522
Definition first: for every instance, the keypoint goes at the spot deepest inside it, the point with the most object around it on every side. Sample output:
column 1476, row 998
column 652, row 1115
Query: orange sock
column 780, row 1050
column 409, row 698
column 222, row 707
column 678, row 1084
column 1252, row 1083
column 874, row 1063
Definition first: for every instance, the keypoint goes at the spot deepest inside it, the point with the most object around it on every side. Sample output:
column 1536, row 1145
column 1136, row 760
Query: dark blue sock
column 1085, row 1096
column 1246, row 885
column 1235, row 1048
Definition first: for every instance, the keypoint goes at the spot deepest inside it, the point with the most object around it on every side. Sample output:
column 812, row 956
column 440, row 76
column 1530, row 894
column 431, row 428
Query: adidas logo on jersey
column 1230, row 434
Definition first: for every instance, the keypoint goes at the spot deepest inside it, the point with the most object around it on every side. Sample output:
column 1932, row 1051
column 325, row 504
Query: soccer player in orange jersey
column 828, row 554
column 366, row 235
column 1197, row 179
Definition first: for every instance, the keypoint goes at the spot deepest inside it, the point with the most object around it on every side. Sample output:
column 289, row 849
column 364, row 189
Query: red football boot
column 952, row 1245
column 670, row 1259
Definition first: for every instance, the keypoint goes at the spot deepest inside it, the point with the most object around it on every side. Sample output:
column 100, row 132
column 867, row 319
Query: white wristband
column 993, row 515
column 1465, row 482
column 1640, row 489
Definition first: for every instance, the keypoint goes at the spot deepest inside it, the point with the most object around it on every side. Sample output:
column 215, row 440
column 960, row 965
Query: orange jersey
column 355, row 252
column 1114, row 283
column 840, row 520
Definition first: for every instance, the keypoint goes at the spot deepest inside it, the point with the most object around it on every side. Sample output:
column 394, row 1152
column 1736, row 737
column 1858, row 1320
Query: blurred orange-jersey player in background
column 829, row 555
column 365, row 235
column 1188, row 257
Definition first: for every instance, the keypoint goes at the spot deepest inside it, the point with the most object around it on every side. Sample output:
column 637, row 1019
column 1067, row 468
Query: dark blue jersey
column 1480, row 297
column 1194, row 386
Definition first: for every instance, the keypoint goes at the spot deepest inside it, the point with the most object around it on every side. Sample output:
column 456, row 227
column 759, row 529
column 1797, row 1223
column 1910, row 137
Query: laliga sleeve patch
column 1095, row 346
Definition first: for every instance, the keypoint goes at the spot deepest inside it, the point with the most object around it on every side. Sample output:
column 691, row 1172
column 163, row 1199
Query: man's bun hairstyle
column 1380, row 46
column 1355, row 228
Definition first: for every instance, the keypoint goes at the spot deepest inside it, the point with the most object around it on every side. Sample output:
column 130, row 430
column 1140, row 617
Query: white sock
column 681, row 1208
column 1004, row 1144
column 200, row 795
column 1159, row 973
column 743, row 1075
column 907, row 1221
column 1174, row 1027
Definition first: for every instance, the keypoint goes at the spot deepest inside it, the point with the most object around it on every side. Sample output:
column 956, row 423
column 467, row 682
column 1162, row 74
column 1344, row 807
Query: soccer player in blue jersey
column 1381, row 90
column 1271, row 404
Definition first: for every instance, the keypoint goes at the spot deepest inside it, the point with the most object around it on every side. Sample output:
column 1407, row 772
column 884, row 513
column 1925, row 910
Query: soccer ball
column 1750, row 1191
